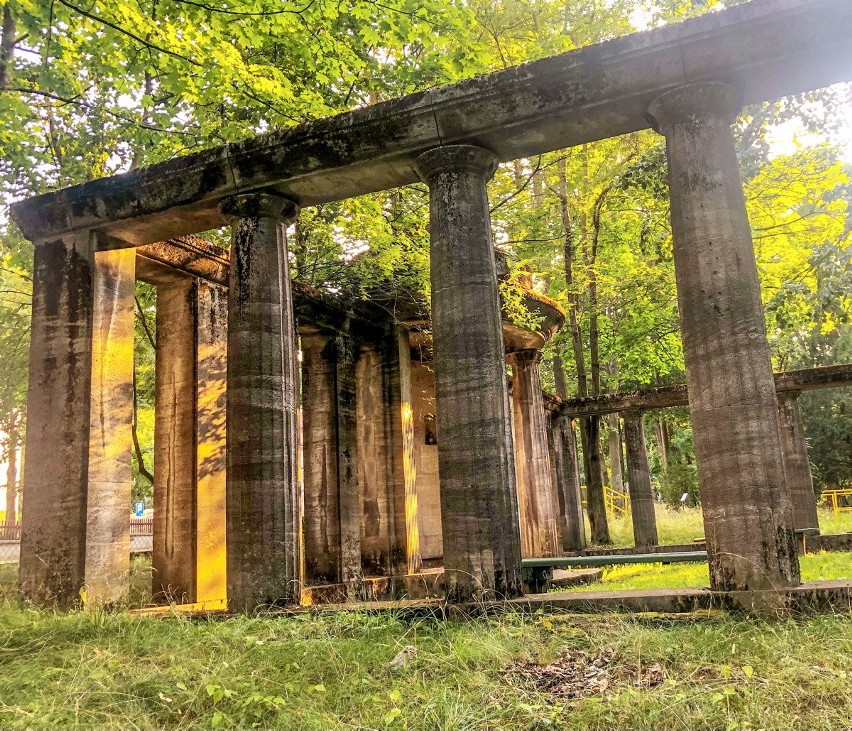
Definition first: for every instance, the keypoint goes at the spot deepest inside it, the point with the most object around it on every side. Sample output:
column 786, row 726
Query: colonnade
column 82, row 328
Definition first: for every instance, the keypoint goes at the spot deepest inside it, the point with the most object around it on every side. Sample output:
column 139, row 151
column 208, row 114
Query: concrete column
column 536, row 496
column 110, row 476
column 174, row 558
column 734, row 411
column 189, row 441
column 386, row 468
column 374, row 476
column 799, row 479
column 211, row 366
column 479, row 508
column 262, row 499
column 425, row 456
column 566, row 469
column 75, row 539
column 332, row 521
column 406, row 546
column 321, row 521
column 639, row 481
column 346, row 401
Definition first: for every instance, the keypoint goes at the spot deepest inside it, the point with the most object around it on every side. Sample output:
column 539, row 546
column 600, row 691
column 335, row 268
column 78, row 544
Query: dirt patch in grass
column 580, row 674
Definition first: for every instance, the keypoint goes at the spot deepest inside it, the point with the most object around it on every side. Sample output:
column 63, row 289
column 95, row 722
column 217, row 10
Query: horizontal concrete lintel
column 768, row 48
column 805, row 379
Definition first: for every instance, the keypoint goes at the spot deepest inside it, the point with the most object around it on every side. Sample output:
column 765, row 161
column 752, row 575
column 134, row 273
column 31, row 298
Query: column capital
column 706, row 100
column 259, row 204
column 785, row 396
column 631, row 414
column 455, row 158
column 526, row 357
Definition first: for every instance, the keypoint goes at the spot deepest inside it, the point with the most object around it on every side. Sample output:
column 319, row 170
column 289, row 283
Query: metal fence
column 141, row 539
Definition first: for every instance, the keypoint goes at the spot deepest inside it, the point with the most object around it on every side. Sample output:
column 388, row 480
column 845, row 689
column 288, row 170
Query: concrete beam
column 806, row 379
column 766, row 48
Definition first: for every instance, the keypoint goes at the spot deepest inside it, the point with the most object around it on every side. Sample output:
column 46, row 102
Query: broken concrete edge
column 803, row 600
column 769, row 48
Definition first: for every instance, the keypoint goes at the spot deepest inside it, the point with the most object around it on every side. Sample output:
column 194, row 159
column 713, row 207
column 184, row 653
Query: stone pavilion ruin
column 236, row 519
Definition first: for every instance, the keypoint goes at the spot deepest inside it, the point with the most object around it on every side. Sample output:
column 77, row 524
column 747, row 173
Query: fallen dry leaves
column 578, row 674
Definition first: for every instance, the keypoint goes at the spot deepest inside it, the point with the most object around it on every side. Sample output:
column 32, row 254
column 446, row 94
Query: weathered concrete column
column 566, row 470
column 77, row 483
column 385, row 471
column 321, row 522
column 405, row 541
column 263, row 499
column 800, row 481
column 479, row 509
column 332, row 521
column 211, row 367
column 376, row 463
column 536, row 496
column 189, row 441
column 639, row 481
column 734, row 411
column 173, row 557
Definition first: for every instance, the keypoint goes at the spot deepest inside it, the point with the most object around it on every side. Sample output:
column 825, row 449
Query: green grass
column 119, row 671
column 831, row 523
column 814, row 567
column 673, row 526
column 684, row 526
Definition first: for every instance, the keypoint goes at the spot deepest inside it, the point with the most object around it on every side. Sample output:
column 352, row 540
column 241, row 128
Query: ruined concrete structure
column 365, row 427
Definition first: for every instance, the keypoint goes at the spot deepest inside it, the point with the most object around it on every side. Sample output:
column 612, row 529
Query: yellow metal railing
column 834, row 499
column 616, row 503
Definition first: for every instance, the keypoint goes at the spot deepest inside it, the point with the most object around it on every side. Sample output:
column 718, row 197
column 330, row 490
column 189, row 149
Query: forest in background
column 96, row 88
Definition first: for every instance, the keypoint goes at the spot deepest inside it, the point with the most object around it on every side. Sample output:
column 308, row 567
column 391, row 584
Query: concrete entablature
column 766, row 48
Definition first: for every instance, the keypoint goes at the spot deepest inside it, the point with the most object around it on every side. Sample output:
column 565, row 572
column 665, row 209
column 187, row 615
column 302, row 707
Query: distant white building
column 4, row 464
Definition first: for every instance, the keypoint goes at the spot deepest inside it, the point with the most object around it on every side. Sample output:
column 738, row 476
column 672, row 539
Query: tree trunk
column 662, row 443
column 559, row 377
column 589, row 426
column 7, row 44
column 595, row 506
column 639, row 477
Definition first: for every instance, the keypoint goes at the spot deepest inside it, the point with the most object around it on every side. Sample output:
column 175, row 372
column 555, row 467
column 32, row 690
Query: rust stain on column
column 481, row 535
column 747, row 513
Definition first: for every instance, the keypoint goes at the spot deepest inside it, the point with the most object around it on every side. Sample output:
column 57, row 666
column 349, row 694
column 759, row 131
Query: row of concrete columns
column 359, row 488
column 733, row 405
column 79, row 320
